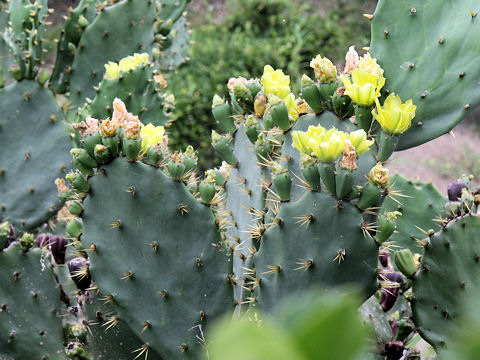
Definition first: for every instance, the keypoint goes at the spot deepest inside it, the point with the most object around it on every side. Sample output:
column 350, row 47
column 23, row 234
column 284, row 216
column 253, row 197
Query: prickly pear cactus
column 151, row 242
column 448, row 275
column 34, row 153
column 30, row 306
column 426, row 49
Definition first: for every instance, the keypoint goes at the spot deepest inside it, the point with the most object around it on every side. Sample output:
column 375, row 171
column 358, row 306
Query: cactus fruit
column 34, row 142
column 30, row 306
column 448, row 276
column 445, row 90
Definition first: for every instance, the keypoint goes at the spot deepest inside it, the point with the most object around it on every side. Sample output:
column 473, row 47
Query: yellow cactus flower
column 394, row 117
column 370, row 65
column 151, row 135
column 301, row 142
column 140, row 59
column 127, row 63
column 365, row 87
column 292, row 106
column 330, row 148
column 275, row 82
column 325, row 71
column 111, row 70
column 359, row 140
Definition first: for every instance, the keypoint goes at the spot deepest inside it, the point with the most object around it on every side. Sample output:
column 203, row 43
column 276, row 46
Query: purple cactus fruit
column 394, row 350
column 383, row 257
column 390, row 293
column 79, row 273
column 56, row 244
column 454, row 190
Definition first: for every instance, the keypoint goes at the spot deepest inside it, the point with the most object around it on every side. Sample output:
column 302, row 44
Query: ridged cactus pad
column 448, row 276
column 34, row 152
column 30, row 307
column 427, row 49
column 158, row 257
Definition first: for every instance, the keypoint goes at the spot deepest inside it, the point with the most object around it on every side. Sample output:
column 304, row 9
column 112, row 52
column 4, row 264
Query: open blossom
column 275, row 82
column 151, row 136
column 351, row 60
column 370, row 65
column 394, row 117
column 364, row 87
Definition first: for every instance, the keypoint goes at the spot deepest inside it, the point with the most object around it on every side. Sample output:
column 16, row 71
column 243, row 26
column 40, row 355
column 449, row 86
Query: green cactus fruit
column 344, row 179
column 447, row 277
column 327, row 174
column 181, row 281
column 421, row 206
column 405, row 262
column 386, row 224
column 102, row 154
column 282, row 183
column 279, row 113
column 32, row 132
column 371, row 196
column 131, row 148
column 342, row 105
column 30, row 320
column 315, row 241
column 223, row 147
column 312, row 96
column 153, row 156
column 443, row 90
column 75, row 208
column 78, row 182
column 89, row 143
column 174, row 52
column 81, row 156
column 386, row 145
column 75, row 228
column 176, row 169
column 207, row 192
column 112, row 143
column 311, row 176
column 363, row 117
column 326, row 93
column 223, row 115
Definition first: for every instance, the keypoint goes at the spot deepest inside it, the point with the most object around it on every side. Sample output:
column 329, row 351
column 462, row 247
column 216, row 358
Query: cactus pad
column 30, row 322
column 448, row 276
column 427, row 49
column 34, row 152
column 159, row 259
column 318, row 242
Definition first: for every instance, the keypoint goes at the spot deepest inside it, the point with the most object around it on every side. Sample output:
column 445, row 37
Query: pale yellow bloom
column 359, row 140
column 140, row 59
column 365, row 87
column 127, row 64
column 394, row 117
column 300, row 142
column 151, row 136
column 111, row 70
column 325, row 71
column 330, row 148
column 275, row 82
column 292, row 106
column 370, row 65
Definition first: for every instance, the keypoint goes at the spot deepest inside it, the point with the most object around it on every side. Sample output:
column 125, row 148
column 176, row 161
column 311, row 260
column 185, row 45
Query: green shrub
column 281, row 33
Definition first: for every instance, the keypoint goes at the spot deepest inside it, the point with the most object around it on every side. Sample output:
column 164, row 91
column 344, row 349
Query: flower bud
column 325, row 71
